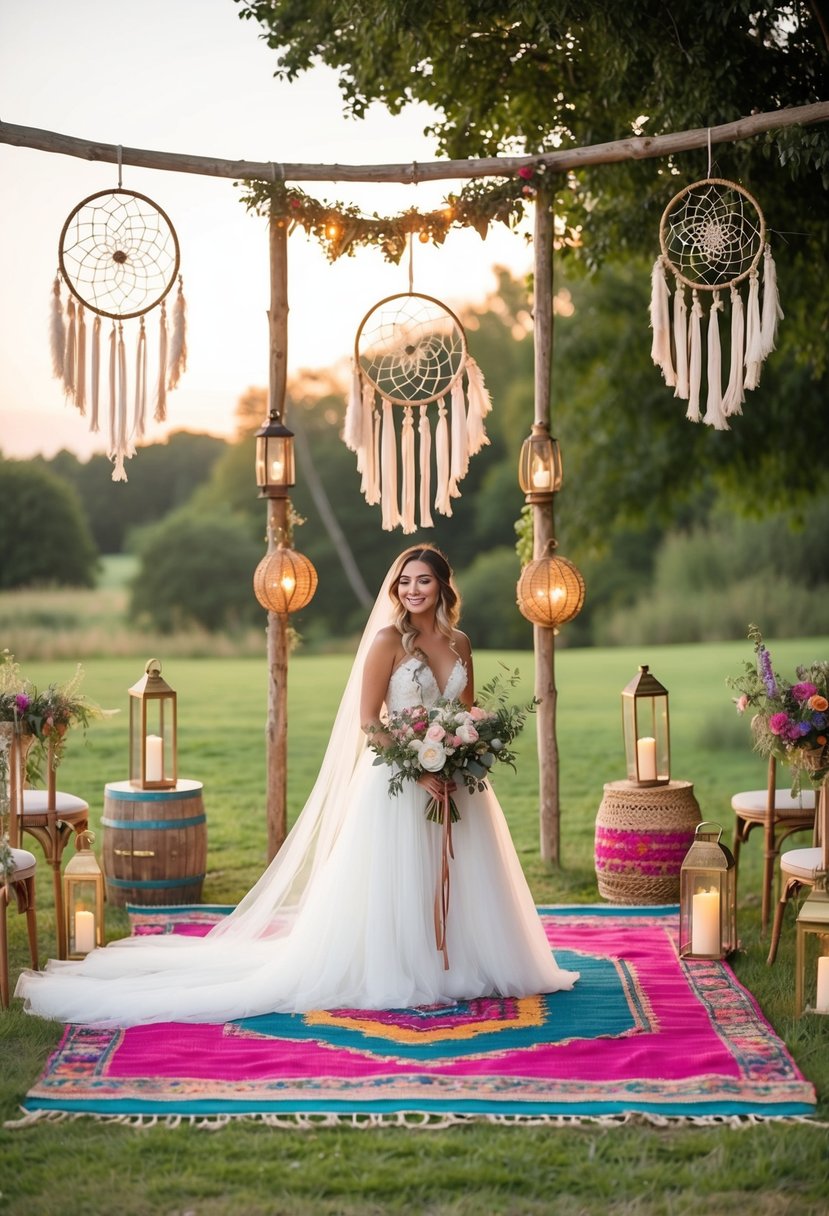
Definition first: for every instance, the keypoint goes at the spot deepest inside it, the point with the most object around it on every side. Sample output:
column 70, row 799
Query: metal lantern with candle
column 812, row 952
column 153, row 731
column 83, row 899
column 707, row 897
column 274, row 458
column 540, row 470
column 646, row 730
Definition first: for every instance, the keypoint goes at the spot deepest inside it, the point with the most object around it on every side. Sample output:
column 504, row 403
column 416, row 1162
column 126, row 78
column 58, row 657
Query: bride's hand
column 435, row 787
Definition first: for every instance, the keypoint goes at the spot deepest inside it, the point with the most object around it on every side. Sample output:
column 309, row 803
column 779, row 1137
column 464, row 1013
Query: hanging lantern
column 646, row 730
column 284, row 581
column 83, row 899
column 274, row 458
column 550, row 591
column 540, row 469
column 707, row 897
column 153, row 734
column 812, row 952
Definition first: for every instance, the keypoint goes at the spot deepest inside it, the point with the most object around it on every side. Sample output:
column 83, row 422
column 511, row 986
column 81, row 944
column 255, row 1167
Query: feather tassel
column 754, row 336
column 734, row 394
column 57, row 331
column 140, row 404
column 661, row 343
column 443, row 501
column 425, row 435
column 69, row 356
column 714, row 415
column 80, row 361
column 113, row 396
column 178, row 342
column 772, row 312
column 681, row 342
column 694, row 359
column 388, row 470
column 480, row 404
column 373, row 491
column 160, row 412
column 353, row 428
column 407, row 455
column 95, row 388
column 458, row 458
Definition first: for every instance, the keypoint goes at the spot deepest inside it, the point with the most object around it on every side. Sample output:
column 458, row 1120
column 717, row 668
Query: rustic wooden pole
column 544, row 532
column 278, row 509
column 638, row 147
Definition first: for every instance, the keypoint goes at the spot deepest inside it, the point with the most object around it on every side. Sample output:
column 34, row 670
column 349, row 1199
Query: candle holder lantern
column 540, row 469
column 83, row 899
column 646, row 730
column 812, row 951
column 274, row 458
column 707, row 897
column 153, row 734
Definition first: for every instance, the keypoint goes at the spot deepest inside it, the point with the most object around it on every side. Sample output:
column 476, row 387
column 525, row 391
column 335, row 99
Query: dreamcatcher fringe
column 57, row 331
column 753, row 337
column 76, row 361
column 369, row 432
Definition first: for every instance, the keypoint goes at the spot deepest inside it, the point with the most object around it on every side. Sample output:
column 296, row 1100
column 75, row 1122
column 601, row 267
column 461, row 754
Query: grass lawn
column 88, row 1167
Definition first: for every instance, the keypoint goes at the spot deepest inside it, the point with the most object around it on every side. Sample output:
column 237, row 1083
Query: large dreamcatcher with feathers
column 713, row 238
column 411, row 359
column 118, row 255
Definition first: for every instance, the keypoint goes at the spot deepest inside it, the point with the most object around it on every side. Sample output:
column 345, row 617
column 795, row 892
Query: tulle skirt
column 362, row 936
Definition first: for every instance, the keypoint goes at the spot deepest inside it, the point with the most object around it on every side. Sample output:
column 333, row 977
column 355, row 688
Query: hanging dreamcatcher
column 713, row 236
column 410, row 354
column 119, row 256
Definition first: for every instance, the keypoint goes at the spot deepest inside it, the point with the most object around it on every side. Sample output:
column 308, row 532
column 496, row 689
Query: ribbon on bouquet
column 442, row 886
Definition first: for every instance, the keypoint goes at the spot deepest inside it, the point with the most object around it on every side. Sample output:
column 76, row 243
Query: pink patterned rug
column 643, row 1032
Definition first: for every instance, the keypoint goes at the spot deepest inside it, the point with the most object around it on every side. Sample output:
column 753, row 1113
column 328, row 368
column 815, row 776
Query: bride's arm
column 463, row 647
column 376, row 675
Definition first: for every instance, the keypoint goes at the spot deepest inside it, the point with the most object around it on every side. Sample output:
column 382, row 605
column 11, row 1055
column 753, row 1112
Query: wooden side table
column 642, row 836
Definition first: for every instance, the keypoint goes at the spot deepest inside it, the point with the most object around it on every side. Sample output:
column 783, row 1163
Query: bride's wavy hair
column 448, row 609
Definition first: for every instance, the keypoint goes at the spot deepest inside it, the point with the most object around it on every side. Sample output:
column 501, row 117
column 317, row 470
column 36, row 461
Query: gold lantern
column 812, row 952
column 83, row 899
column 274, row 458
column 707, row 897
column 153, row 732
column 646, row 730
column 550, row 591
column 284, row 581
column 539, row 465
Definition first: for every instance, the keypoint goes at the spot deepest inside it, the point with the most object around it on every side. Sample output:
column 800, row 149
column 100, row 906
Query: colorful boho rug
column 642, row 1033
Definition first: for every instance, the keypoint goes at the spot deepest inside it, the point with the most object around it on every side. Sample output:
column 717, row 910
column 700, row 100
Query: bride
column 343, row 916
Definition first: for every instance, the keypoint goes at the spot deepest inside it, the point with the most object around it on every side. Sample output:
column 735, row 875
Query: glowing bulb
column 287, row 583
column 424, row 236
column 332, row 230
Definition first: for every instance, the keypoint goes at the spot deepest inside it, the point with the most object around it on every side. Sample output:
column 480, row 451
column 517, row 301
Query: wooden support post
column 278, row 513
column 543, row 533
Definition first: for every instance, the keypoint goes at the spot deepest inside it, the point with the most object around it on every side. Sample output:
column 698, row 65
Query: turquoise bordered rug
column 643, row 1033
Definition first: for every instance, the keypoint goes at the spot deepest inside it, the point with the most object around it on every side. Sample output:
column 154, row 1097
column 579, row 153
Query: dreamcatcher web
column 713, row 237
column 118, row 254
column 411, row 351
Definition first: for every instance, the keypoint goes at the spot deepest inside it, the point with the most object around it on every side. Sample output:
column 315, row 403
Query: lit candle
column 646, row 758
column 153, row 758
column 541, row 478
column 822, row 1002
column 705, row 923
column 277, row 469
column 84, row 931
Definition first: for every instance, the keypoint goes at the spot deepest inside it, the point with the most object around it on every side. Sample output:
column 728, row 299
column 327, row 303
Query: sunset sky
column 190, row 76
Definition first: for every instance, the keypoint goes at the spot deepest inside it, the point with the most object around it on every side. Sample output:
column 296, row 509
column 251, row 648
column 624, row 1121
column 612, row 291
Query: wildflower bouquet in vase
column 791, row 718
column 453, row 741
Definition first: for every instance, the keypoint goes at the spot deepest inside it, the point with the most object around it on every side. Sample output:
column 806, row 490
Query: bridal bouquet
column 453, row 741
column 791, row 720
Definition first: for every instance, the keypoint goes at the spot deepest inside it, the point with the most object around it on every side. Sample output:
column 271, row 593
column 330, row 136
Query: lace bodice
column 413, row 683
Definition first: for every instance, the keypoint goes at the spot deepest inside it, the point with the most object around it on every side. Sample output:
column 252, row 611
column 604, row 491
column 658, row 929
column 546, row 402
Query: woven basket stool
column 642, row 836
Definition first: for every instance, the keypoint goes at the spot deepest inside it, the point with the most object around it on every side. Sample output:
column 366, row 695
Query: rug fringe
column 411, row 1120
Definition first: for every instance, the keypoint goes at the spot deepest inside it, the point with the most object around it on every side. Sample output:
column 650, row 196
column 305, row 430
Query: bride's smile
column 418, row 588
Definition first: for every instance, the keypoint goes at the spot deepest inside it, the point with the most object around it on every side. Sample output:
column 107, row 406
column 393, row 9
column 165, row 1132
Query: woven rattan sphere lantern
column 284, row 581
column 550, row 591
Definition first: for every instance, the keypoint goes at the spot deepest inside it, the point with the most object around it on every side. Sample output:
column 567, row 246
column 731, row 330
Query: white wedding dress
column 361, row 933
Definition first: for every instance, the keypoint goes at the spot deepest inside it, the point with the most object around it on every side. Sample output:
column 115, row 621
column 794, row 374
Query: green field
column 89, row 1167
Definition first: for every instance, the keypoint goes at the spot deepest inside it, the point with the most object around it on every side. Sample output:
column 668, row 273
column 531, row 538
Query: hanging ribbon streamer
column 442, row 887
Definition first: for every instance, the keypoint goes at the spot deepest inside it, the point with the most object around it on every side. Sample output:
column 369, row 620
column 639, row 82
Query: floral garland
column 341, row 228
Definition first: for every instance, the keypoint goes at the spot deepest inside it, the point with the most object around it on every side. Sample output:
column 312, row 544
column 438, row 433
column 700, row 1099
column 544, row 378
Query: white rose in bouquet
column 432, row 755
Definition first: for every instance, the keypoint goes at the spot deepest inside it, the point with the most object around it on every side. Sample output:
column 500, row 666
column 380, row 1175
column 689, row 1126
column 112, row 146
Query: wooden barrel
column 155, row 844
column 642, row 836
